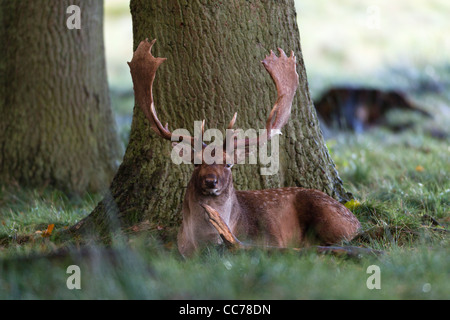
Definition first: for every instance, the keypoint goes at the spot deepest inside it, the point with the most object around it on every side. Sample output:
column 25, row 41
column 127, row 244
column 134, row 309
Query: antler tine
column 143, row 68
column 232, row 122
column 283, row 72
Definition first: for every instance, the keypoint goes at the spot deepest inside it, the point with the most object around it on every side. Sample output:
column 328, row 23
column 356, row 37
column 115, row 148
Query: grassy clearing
column 402, row 185
column 400, row 180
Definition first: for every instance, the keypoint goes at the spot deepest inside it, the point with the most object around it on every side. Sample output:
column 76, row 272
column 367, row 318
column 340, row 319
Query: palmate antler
column 283, row 72
column 143, row 68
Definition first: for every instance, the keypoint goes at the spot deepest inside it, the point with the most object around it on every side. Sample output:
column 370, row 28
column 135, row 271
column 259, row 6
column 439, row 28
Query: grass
column 140, row 273
column 401, row 182
column 349, row 41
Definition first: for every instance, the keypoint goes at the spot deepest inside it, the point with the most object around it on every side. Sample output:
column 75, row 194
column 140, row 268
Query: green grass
column 404, row 211
column 138, row 274
column 24, row 211
column 401, row 181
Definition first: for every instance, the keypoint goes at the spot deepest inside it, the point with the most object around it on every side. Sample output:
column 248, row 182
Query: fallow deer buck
column 213, row 211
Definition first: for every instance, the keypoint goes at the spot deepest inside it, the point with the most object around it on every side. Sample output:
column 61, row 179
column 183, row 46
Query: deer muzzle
column 210, row 185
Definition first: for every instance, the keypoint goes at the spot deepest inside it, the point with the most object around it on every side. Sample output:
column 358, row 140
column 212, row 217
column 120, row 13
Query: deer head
column 212, row 179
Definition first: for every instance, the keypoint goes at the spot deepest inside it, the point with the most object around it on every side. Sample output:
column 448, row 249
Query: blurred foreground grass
column 140, row 273
column 401, row 182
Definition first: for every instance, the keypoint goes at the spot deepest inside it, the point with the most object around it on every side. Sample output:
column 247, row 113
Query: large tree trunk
column 213, row 69
column 56, row 124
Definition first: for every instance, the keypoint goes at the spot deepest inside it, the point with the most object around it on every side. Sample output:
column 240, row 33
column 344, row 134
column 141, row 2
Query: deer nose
column 210, row 181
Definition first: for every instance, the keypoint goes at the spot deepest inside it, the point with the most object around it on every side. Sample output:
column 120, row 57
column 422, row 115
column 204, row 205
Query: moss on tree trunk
column 213, row 69
column 56, row 124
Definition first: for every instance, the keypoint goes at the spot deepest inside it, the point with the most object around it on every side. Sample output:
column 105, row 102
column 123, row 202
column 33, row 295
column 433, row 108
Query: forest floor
column 400, row 180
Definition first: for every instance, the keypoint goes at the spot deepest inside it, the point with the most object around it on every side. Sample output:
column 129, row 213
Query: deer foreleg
column 229, row 239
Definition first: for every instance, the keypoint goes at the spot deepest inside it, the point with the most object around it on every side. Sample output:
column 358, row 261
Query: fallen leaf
column 419, row 168
column 48, row 232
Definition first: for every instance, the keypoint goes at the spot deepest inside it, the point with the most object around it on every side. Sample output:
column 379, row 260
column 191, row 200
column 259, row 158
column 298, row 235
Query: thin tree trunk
column 56, row 124
column 213, row 69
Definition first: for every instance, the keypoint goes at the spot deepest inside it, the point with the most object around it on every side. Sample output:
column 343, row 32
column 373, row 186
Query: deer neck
column 225, row 203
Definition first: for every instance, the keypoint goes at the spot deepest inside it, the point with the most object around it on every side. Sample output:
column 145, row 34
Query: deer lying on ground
column 274, row 217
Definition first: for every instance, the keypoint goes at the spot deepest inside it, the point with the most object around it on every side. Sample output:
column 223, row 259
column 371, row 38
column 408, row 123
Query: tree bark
column 213, row 69
column 56, row 125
